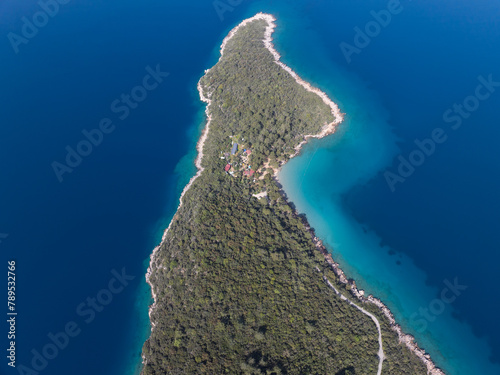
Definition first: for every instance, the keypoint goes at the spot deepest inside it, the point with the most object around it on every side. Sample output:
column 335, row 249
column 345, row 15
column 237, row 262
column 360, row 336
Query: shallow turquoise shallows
column 71, row 238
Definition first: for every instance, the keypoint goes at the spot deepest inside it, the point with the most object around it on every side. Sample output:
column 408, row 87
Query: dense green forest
column 239, row 282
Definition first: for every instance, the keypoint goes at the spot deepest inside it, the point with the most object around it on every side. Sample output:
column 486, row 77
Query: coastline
column 199, row 147
column 406, row 339
column 327, row 129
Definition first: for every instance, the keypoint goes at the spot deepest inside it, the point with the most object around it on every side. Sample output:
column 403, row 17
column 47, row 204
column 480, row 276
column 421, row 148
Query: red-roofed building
column 248, row 152
column 249, row 173
column 228, row 167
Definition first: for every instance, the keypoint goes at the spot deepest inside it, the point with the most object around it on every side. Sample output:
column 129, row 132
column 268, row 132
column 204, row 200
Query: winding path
column 380, row 353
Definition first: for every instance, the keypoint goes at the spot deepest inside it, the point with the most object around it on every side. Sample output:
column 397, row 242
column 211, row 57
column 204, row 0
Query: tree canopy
column 239, row 281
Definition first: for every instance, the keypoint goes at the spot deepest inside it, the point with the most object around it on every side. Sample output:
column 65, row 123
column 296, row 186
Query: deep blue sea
column 82, row 245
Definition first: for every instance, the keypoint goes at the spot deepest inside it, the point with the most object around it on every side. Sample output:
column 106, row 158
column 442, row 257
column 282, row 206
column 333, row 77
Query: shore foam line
column 199, row 147
column 327, row 129
column 408, row 340
column 154, row 255
column 198, row 160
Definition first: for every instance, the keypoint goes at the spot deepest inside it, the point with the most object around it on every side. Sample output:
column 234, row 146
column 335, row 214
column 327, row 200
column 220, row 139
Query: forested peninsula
column 240, row 283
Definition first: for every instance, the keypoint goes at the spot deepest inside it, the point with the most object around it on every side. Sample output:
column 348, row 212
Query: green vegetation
column 239, row 281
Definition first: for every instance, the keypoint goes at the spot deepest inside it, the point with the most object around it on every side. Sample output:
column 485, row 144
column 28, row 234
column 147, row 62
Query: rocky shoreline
column 199, row 147
column 406, row 339
column 327, row 129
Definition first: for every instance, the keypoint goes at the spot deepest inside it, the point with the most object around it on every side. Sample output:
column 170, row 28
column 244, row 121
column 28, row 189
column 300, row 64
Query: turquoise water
column 111, row 211
column 338, row 182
